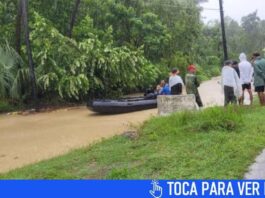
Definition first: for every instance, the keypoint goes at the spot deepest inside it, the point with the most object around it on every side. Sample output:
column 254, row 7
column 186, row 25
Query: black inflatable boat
column 123, row 105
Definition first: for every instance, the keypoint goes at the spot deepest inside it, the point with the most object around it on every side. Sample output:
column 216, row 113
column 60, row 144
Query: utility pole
column 223, row 29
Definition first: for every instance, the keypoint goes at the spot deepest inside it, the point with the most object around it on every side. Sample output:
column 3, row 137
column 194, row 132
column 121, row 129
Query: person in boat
column 192, row 84
column 259, row 76
column 246, row 76
column 159, row 87
column 150, row 93
column 165, row 90
column 231, row 84
column 175, row 83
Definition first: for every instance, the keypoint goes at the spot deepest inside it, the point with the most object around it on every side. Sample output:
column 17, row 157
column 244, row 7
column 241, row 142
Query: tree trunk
column 73, row 18
column 24, row 6
column 18, row 27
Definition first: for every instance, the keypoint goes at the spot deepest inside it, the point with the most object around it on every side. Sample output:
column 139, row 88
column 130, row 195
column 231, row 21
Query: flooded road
column 211, row 93
column 28, row 139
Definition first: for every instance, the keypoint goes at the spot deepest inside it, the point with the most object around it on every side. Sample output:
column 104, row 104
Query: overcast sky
column 234, row 8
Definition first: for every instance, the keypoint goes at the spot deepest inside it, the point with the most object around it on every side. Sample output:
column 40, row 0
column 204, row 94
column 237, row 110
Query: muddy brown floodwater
column 29, row 139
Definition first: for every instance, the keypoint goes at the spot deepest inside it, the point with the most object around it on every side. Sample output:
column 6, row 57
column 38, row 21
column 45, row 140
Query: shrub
column 71, row 69
column 213, row 119
column 6, row 107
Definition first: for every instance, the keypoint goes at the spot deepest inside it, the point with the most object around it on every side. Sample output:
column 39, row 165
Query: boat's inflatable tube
column 122, row 105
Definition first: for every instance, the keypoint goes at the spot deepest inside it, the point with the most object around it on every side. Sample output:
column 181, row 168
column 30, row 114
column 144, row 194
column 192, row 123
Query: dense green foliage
column 245, row 36
column 9, row 61
column 72, row 68
column 117, row 46
column 215, row 143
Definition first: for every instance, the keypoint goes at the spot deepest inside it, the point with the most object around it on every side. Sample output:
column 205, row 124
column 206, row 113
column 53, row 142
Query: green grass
column 215, row 143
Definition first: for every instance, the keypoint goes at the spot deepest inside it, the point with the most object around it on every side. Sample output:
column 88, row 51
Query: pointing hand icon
column 157, row 190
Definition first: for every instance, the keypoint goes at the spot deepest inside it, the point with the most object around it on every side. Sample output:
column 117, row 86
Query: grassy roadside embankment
column 216, row 143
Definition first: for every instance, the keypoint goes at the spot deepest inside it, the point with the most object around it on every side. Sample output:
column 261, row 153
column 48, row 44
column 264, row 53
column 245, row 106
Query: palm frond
column 9, row 61
column 21, row 80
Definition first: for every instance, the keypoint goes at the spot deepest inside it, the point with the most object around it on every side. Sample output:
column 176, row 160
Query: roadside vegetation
column 6, row 106
column 86, row 49
column 215, row 143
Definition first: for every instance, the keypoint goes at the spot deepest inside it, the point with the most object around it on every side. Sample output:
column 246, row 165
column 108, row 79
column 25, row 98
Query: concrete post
column 171, row 104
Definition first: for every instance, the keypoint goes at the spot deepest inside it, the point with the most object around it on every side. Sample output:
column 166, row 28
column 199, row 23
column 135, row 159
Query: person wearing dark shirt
column 192, row 84
column 236, row 68
column 176, row 83
column 259, row 76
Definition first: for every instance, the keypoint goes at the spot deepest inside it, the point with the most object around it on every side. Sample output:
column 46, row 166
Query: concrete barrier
column 171, row 104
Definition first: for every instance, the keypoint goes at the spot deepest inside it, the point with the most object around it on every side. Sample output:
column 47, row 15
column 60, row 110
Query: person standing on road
column 259, row 76
column 246, row 76
column 192, row 84
column 230, row 84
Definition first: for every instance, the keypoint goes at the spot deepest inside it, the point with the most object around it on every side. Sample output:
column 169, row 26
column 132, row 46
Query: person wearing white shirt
column 175, row 83
column 231, row 84
column 246, row 76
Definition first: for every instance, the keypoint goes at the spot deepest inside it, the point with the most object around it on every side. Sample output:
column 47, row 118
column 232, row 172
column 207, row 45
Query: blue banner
column 130, row 188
